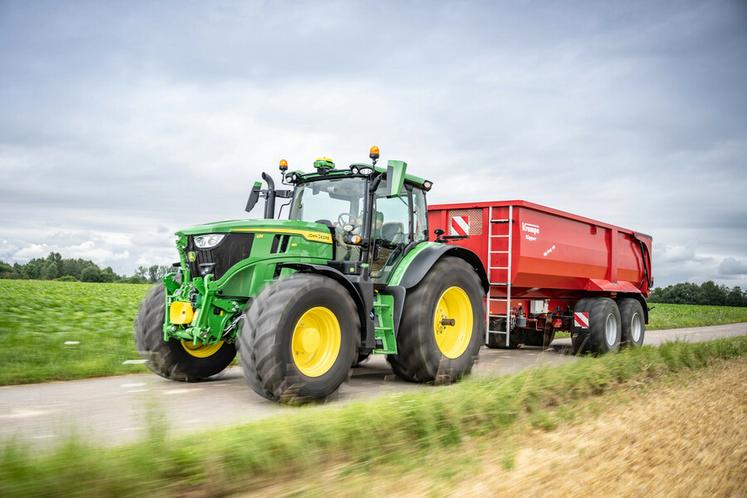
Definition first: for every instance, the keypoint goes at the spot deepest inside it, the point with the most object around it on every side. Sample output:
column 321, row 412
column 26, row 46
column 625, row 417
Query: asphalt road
column 113, row 410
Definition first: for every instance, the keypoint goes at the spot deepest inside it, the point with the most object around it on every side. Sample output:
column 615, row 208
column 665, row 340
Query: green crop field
column 674, row 316
column 38, row 318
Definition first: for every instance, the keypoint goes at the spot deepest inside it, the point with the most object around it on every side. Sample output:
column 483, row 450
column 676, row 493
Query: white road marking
column 23, row 414
column 134, row 362
column 132, row 384
column 182, row 391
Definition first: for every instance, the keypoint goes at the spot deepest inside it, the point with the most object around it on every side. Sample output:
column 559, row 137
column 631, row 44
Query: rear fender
column 419, row 267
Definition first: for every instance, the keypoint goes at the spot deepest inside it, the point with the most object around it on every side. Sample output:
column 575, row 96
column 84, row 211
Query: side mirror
column 253, row 197
column 395, row 176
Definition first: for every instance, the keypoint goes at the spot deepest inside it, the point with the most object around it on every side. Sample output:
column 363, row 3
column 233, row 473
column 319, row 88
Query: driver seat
column 390, row 231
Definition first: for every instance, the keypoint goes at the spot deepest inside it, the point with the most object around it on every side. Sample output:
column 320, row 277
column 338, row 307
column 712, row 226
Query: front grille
column 233, row 248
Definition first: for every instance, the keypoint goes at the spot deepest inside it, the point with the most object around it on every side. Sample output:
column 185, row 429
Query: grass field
column 37, row 318
column 674, row 316
column 430, row 435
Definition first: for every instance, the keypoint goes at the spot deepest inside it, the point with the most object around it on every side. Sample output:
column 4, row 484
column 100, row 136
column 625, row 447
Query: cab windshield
column 335, row 202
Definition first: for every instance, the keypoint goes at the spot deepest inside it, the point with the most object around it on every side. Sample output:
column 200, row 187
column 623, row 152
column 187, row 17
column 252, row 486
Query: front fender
column 364, row 307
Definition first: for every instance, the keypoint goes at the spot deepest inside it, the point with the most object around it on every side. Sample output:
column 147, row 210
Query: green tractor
column 351, row 272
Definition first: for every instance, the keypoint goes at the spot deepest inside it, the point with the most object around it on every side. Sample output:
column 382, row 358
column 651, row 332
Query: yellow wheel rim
column 201, row 351
column 315, row 343
column 452, row 322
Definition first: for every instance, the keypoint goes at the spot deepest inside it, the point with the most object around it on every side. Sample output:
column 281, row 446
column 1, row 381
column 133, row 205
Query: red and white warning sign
column 464, row 222
column 459, row 225
column 581, row 319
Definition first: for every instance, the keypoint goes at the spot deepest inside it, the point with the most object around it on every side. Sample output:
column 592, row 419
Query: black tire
column 633, row 322
column 538, row 338
column 267, row 328
column 418, row 357
column 603, row 309
column 581, row 338
column 498, row 341
column 169, row 359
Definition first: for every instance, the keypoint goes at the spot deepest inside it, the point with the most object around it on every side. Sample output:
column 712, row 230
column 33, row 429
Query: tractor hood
column 316, row 232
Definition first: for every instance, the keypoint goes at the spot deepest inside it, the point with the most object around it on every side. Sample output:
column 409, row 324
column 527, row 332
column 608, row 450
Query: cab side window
column 420, row 216
column 390, row 230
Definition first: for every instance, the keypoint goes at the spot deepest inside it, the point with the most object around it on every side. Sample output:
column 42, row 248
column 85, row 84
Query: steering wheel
column 341, row 220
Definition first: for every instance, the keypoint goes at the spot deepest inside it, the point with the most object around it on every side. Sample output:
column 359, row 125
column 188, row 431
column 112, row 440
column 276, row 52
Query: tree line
column 55, row 267
column 705, row 293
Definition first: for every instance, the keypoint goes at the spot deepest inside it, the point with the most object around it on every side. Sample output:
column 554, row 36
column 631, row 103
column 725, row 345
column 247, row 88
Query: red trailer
column 553, row 271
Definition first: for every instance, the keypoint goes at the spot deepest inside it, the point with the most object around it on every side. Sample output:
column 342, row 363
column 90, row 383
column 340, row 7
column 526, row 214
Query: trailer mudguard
column 363, row 300
column 424, row 260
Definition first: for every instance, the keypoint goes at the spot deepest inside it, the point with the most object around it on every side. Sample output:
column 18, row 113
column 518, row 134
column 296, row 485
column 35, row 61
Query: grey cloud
column 733, row 267
column 114, row 114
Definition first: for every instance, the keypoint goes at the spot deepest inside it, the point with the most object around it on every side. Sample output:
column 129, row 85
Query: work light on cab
column 209, row 240
column 373, row 153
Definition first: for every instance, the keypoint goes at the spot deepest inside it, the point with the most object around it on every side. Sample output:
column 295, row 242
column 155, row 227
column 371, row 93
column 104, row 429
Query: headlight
column 209, row 240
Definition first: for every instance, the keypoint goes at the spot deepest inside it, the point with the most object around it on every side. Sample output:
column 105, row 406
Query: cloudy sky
column 123, row 121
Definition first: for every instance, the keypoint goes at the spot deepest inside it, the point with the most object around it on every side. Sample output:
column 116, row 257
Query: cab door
column 396, row 223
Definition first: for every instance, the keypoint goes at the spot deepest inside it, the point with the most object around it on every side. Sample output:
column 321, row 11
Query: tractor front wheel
column 299, row 338
column 443, row 325
column 175, row 360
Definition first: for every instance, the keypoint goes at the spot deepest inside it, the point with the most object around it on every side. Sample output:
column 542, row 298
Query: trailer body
column 542, row 261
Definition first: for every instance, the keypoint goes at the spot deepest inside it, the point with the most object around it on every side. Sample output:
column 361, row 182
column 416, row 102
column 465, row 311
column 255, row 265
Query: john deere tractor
column 350, row 272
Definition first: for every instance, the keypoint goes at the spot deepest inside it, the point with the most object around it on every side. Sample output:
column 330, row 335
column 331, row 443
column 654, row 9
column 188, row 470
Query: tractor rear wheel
column 299, row 338
column 173, row 359
column 442, row 326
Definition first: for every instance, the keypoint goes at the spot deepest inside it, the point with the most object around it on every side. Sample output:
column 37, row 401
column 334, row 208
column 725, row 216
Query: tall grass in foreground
column 218, row 462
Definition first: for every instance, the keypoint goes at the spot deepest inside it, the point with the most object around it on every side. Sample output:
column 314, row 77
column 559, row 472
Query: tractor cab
column 374, row 215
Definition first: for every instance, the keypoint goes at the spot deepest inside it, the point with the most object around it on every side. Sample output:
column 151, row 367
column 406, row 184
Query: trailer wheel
column 605, row 325
column 299, row 338
column 498, row 341
column 633, row 323
column 443, row 325
column 581, row 338
column 539, row 338
column 175, row 360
